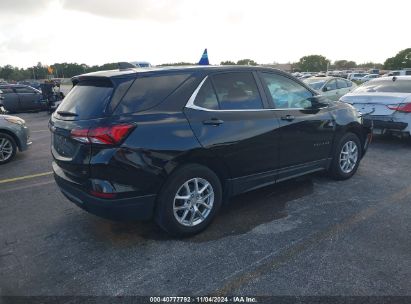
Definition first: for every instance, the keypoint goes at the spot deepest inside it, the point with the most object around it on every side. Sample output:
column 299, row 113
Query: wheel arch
column 359, row 130
column 212, row 162
column 12, row 135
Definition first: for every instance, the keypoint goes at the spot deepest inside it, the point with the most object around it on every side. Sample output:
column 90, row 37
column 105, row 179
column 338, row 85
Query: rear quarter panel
column 159, row 143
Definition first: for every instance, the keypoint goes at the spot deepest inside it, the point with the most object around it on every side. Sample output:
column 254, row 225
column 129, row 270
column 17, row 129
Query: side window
column 286, row 93
column 341, row 83
column 407, row 72
column 147, row 92
column 237, row 91
column 206, row 97
column 23, row 90
column 331, row 85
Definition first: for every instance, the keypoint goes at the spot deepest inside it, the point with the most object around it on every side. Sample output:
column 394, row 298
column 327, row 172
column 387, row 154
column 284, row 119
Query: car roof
column 405, row 77
column 325, row 78
column 133, row 72
column 12, row 85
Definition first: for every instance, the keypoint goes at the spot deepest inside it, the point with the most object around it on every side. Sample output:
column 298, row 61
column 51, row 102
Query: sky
column 164, row 31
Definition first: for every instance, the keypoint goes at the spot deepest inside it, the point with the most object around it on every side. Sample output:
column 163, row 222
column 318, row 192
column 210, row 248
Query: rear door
column 306, row 126
column 229, row 116
column 331, row 90
column 343, row 88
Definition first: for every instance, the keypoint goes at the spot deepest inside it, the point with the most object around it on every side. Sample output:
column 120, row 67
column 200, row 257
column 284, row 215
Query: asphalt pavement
column 309, row 236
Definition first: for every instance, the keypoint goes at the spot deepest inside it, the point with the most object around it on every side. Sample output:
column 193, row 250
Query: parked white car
column 385, row 102
column 399, row 73
column 369, row 77
column 356, row 76
column 331, row 87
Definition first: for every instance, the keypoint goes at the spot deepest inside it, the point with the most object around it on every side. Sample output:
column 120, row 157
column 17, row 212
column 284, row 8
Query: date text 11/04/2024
column 203, row 300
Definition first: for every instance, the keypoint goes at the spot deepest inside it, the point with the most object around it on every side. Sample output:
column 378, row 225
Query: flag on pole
column 204, row 59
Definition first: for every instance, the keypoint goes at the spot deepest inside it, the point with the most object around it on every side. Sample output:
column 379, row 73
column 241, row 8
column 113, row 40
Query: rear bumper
column 130, row 208
column 387, row 124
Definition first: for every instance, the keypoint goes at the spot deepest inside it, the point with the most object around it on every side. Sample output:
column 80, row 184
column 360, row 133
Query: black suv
column 174, row 143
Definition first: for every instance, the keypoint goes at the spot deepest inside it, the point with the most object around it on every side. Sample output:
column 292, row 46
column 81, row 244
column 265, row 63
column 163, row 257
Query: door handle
column 288, row 117
column 213, row 122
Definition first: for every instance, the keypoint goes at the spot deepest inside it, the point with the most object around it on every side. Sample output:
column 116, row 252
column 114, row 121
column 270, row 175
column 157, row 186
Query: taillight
column 110, row 135
column 80, row 135
column 103, row 194
column 402, row 107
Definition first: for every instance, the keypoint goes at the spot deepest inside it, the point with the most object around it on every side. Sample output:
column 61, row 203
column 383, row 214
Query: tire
column 8, row 148
column 177, row 201
column 345, row 167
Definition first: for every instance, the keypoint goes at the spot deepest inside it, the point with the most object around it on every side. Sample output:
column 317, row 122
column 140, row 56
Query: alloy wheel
column 193, row 202
column 6, row 149
column 348, row 156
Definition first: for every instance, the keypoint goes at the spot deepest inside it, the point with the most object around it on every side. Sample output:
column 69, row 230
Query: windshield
column 387, row 85
column 315, row 83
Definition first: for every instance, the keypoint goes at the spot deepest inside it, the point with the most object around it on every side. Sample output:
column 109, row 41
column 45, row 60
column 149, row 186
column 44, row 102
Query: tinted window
column 206, row 97
column 386, row 85
column 24, row 90
column 147, row 92
column 407, row 72
column 341, row 83
column 286, row 93
column 87, row 100
column 237, row 91
column 331, row 85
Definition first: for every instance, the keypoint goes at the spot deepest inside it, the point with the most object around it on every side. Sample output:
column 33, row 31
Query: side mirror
column 325, row 89
column 319, row 101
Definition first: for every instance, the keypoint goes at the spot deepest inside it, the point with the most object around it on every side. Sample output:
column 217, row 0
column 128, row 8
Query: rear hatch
column 98, row 114
column 376, row 103
column 85, row 107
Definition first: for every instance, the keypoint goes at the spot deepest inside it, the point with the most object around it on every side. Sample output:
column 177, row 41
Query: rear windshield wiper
column 66, row 113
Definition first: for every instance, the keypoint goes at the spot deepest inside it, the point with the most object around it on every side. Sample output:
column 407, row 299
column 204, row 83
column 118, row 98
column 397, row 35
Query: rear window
column 147, row 92
column 87, row 100
column 398, row 86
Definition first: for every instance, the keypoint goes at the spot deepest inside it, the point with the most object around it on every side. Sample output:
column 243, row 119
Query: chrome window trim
column 190, row 104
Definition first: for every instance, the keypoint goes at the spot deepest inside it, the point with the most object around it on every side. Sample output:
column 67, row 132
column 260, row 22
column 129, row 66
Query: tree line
column 57, row 70
column 312, row 63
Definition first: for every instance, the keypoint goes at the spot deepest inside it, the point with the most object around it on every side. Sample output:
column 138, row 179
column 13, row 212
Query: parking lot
column 310, row 236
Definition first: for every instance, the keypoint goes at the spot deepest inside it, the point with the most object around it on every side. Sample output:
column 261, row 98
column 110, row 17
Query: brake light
column 110, row 135
column 402, row 107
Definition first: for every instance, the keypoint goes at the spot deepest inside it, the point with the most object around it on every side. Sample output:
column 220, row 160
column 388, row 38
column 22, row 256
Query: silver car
column 331, row 87
column 14, row 135
column 385, row 103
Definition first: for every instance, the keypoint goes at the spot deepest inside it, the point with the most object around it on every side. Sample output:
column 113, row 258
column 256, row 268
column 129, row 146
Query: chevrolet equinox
column 174, row 143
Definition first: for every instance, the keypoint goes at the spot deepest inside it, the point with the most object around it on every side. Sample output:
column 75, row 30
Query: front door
column 230, row 119
column 306, row 126
column 29, row 99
